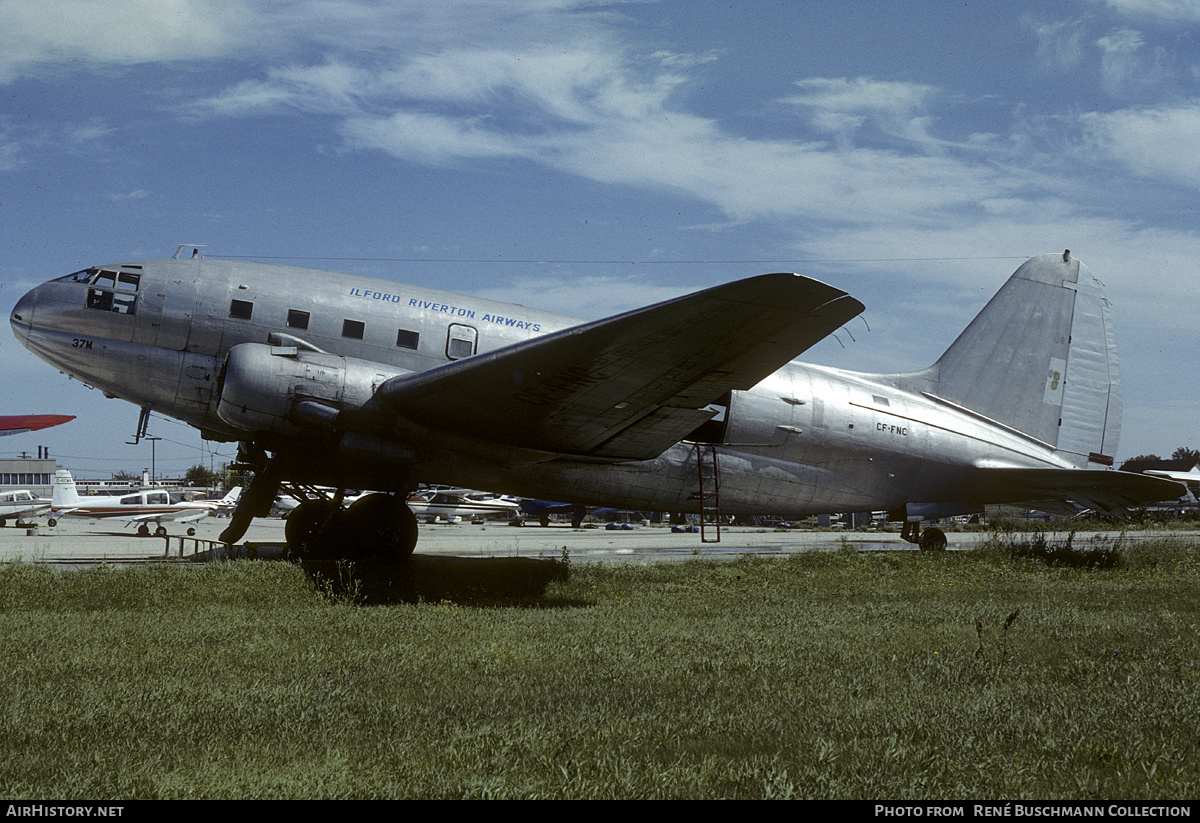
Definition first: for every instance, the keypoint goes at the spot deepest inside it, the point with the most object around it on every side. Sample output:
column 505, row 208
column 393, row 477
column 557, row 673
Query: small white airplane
column 21, row 503
column 463, row 504
column 223, row 506
column 295, row 496
column 142, row 507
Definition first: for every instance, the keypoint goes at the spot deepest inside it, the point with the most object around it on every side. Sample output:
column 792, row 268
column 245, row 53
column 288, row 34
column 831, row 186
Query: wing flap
column 629, row 386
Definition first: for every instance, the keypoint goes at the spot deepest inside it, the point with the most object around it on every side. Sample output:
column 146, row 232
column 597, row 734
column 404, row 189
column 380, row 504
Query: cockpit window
column 84, row 276
column 114, row 291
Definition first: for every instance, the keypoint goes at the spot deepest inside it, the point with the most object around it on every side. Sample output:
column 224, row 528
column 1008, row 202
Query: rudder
column 63, row 494
column 1041, row 358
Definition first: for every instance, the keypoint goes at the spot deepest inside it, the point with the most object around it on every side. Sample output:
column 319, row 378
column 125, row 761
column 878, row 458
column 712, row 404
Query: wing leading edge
column 630, row 386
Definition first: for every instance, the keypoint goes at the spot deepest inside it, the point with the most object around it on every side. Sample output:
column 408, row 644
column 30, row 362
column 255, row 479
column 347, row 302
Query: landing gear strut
column 255, row 501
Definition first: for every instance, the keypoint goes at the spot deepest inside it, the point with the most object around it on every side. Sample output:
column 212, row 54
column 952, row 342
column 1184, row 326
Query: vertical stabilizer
column 63, row 495
column 1041, row 358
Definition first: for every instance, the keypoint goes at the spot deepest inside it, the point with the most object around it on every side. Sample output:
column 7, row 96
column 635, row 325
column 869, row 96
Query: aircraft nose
column 21, row 318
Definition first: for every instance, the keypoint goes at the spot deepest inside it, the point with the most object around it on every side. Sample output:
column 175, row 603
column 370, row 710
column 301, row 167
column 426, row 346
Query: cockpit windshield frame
column 113, row 289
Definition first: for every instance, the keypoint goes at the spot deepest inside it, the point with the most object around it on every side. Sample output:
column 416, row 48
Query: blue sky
column 590, row 157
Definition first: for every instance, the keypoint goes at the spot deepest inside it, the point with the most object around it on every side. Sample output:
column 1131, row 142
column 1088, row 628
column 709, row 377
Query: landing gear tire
column 52, row 522
column 161, row 531
column 191, row 532
column 309, row 528
column 143, row 530
column 933, row 539
column 377, row 527
column 381, row 527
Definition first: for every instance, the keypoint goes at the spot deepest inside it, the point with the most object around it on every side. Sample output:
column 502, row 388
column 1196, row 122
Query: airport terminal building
column 36, row 475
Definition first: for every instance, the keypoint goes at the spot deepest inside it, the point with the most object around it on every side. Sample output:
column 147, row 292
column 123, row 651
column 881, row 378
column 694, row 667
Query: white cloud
column 431, row 138
column 1059, row 44
column 594, row 114
column 842, row 106
column 117, row 32
column 329, row 88
column 1163, row 11
column 1127, row 65
column 1154, row 143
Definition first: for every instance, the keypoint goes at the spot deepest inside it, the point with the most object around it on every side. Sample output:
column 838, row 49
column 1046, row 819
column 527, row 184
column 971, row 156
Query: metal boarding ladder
column 708, row 472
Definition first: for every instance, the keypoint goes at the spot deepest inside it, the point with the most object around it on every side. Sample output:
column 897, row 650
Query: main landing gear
column 377, row 527
column 143, row 530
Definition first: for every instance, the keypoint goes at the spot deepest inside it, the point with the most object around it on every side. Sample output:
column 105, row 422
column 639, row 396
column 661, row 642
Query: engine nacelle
column 262, row 385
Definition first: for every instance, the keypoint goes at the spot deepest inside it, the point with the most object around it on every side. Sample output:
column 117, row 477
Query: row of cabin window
column 351, row 329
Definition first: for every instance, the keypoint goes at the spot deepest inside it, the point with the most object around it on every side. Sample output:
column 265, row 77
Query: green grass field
column 821, row 675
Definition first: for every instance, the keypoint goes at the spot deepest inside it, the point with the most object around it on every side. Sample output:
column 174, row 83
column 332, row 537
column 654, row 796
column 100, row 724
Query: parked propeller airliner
column 690, row 405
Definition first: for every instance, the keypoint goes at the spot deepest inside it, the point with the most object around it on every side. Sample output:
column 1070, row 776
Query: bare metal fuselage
column 806, row 439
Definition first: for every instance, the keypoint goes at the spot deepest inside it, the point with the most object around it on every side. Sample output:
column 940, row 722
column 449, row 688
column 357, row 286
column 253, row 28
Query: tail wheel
column 933, row 540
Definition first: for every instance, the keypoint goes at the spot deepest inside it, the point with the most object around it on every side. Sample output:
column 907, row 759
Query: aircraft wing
column 149, row 517
column 177, row 516
column 1068, row 491
column 1190, row 478
column 630, row 386
column 29, row 511
column 21, row 423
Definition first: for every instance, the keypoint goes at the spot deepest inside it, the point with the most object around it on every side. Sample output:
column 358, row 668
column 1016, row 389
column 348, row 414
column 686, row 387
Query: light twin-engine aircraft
column 141, row 507
column 21, row 503
column 689, row 405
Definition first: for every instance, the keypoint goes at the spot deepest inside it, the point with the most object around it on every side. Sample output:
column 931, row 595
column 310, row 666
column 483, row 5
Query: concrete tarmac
column 80, row 542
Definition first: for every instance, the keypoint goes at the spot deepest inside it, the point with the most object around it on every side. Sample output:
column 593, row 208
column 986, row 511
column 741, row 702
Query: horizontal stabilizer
column 1072, row 490
column 630, row 386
